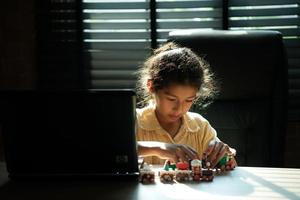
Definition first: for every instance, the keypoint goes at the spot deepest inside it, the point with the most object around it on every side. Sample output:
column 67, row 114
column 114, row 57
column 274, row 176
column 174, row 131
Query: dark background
column 24, row 63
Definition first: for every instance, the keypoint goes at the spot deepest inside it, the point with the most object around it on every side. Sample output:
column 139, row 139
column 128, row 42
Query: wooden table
column 242, row 183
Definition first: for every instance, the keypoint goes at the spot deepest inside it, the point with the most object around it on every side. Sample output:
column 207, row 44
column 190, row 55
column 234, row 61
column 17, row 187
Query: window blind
column 187, row 14
column 117, row 33
column 59, row 44
column 282, row 16
column 116, row 36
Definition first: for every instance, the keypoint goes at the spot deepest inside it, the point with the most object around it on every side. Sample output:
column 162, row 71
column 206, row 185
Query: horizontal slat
column 59, row 65
column 294, row 63
column 114, row 64
column 285, row 31
column 189, row 14
column 61, row 41
column 294, row 93
column 294, row 102
column 264, row 12
column 62, row 11
column 294, row 74
column 57, row 55
column 117, row 15
column 289, row 31
column 260, row 2
column 116, row 5
column 63, row 31
column 163, row 34
column 61, row 46
column 189, row 24
column 55, row 37
column 62, row 5
column 61, row 15
column 116, row 25
column 116, row 35
column 64, row 21
column 264, row 22
column 117, row 45
column 63, row 25
column 100, row 84
column 189, row 4
column 117, row 55
column 294, row 114
column 293, row 52
column 291, row 43
column 160, row 42
column 294, row 83
column 112, row 74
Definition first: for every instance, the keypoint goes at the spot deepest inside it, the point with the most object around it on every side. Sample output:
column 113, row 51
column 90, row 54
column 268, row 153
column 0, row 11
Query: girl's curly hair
column 180, row 65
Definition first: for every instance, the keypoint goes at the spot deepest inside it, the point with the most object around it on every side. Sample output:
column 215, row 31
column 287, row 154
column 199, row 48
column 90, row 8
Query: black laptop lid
column 69, row 132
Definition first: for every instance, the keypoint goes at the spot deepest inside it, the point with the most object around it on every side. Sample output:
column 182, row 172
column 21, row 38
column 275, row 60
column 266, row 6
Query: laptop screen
column 69, row 132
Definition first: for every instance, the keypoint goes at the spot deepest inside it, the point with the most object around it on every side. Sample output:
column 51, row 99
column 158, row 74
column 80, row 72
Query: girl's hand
column 172, row 152
column 178, row 153
column 216, row 151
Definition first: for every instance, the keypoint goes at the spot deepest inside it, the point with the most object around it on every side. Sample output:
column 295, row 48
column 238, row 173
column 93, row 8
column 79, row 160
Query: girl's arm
column 173, row 152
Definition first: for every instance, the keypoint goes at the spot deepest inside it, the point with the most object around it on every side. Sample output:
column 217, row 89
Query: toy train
column 195, row 170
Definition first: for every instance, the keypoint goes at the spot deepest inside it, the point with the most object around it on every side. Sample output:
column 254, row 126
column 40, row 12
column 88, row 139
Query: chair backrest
column 250, row 111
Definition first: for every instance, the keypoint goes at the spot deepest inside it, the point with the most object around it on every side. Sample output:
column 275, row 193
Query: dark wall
column 18, row 47
column 17, row 41
column 40, row 48
column 292, row 155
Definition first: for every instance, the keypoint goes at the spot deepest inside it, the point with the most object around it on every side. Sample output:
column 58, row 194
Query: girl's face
column 174, row 101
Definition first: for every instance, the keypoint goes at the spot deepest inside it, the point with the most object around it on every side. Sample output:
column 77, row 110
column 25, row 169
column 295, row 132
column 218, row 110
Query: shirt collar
column 147, row 120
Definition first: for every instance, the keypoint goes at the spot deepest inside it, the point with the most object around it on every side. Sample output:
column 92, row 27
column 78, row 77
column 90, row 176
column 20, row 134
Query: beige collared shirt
column 195, row 131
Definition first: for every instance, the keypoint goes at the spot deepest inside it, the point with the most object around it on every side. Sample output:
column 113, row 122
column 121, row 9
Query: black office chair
column 250, row 112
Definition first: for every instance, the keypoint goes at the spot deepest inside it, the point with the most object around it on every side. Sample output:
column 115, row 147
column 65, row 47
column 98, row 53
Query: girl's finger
column 217, row 148
column 231, row 151
column 210, row 148
column 195, row 154
column 190, row 153
column 219, row 155
column 182, row 155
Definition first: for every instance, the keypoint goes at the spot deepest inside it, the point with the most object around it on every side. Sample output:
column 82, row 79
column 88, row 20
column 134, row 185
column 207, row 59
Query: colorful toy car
column 182, row 165
column 207, row 175
column 196, row 166
column 147, row 175
column 166, row 176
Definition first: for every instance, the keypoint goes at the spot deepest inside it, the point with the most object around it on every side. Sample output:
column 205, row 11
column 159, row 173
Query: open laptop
column 69, row 133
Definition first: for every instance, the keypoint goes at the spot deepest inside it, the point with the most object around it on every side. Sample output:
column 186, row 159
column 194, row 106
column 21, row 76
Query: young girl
column 169, row 83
